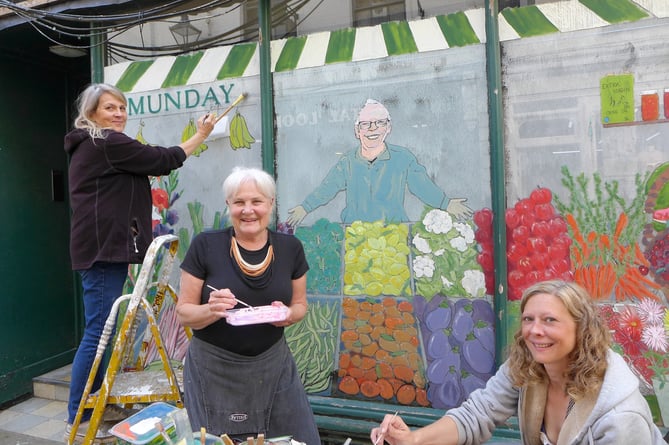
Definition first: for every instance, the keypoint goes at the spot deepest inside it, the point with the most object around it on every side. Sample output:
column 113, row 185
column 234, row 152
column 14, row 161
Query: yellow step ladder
column 141, row 386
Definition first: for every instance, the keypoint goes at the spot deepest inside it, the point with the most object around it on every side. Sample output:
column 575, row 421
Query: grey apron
column 240, row 395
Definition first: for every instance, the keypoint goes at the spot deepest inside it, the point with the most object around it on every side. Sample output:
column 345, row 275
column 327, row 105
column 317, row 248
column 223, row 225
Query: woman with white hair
column 242, row 380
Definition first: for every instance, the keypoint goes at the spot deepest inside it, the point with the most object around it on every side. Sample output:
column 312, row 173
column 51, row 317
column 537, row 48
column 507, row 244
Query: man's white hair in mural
column 375, row 177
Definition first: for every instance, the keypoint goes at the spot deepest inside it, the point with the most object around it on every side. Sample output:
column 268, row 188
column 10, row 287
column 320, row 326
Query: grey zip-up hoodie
column 618, row 415
column 110, row 195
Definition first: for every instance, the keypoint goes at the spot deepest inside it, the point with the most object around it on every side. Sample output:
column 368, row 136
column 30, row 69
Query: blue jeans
column 102, row 285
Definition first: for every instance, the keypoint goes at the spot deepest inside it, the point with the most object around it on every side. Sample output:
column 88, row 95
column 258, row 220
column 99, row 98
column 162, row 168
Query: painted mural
column 401, row 254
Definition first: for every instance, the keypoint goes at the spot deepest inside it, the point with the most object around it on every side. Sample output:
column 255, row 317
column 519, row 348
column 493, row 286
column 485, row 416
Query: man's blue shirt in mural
column 375, row 189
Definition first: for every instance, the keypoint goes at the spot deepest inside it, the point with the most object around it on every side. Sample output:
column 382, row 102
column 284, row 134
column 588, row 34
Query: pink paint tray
column 256, row 315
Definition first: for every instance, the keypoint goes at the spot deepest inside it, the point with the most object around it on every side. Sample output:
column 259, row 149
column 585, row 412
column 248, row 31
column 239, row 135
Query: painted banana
column 239, row 133
column 235, row 142
column 189, row 131
column 140, row 136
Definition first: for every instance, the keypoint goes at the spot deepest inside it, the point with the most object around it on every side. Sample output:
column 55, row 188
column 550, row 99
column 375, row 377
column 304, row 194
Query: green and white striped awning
column 387, row 39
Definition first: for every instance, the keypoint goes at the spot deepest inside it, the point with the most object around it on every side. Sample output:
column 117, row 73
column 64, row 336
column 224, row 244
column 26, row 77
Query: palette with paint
column 256, row 315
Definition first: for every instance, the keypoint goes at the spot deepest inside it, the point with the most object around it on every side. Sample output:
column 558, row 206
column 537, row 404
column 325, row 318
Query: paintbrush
column 232, row 105
column 389, row 423
column 163, row 433
column 237, row 299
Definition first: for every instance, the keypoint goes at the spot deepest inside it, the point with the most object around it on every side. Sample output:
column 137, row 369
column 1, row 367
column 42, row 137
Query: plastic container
column 140, row 428
column 650, row 105
column 283, row 440
column 210, row 439
column 256, row 315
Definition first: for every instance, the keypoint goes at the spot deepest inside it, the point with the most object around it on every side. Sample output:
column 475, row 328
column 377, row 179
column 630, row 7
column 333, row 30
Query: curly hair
column 87, row 103
column 587, row 361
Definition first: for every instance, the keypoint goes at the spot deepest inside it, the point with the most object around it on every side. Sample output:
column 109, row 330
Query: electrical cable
column 60, row 29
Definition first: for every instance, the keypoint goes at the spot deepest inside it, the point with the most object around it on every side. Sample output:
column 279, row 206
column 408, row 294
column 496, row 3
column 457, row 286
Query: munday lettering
column 179, row 100
column 211, row 95
column 226, row 92
column 192, row 98
column 176, row 103
column 160, row 104
column 135, row 109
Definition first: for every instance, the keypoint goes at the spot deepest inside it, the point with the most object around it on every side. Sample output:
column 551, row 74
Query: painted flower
column 474, row 283
column 651, row 311
column 446, row 282
column 655, row 337
column 631, row 323
column 160, row 199
column 172, row 217
column 438, row 221
column 466, row 231
column 423, row 266
column 459, row 244
column 421, row 244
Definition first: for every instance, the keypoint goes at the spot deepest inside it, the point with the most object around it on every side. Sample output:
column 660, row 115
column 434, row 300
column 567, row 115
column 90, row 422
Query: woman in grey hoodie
column 561, row 379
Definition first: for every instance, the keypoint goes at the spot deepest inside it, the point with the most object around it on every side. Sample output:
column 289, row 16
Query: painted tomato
column 541, row 195
column 483, row 218
column 512, row 218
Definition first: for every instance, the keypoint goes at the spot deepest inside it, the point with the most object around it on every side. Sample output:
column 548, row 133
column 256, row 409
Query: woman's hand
column 288, row 320
column 220, row 301
column 392, row 430
column 205, row 125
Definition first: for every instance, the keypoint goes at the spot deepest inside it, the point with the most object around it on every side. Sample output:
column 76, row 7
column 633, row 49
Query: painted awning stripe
column 428, row 35
column 476, row 19
column 132, row 74
column 457, row 30
column 290, row 54
column 571, row 16
column 398, row 38
column 528, row 21
column 505, row 30
column 114, row 72
column 658, row 8
column 615, row 11
column 340, row 46
column 313, row 53
column 369, row 44
column 237, row 60
column 181, row 69
column 153, row 78
column 253, row 68
column 392, row 38
column 210, row 65
column 275, row 49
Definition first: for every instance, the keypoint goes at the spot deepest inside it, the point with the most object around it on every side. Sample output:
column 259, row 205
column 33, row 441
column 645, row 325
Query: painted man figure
column 376, row 176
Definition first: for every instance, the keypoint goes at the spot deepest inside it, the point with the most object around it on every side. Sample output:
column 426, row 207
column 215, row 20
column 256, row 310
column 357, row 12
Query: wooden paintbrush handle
column 232, row 105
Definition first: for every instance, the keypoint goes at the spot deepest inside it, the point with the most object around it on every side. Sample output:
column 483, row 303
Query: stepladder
column 131, row 332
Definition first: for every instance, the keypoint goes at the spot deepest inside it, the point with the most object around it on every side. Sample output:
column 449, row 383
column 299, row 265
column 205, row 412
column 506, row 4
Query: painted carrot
column 640, row 257
column 578, row 237
column 620, row 225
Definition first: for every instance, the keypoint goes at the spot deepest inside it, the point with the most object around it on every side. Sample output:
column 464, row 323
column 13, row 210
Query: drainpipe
column 497, row 174
column 97, row 54
column 266, row 88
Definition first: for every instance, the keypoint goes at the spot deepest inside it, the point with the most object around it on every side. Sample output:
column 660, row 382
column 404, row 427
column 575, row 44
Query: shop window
column 373, row 12
column 284, row 19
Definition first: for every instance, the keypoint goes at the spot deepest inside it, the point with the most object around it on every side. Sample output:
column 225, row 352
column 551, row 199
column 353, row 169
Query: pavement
column 12, row 438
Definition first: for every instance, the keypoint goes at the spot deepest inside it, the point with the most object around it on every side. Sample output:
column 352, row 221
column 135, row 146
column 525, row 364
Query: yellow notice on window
column 617, row 95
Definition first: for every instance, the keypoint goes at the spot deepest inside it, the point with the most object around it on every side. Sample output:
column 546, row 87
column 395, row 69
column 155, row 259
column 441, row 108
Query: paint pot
column 210, row 439
column 650, row 105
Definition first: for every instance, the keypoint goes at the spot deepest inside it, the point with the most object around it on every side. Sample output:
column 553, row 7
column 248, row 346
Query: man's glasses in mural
column 366, row 125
